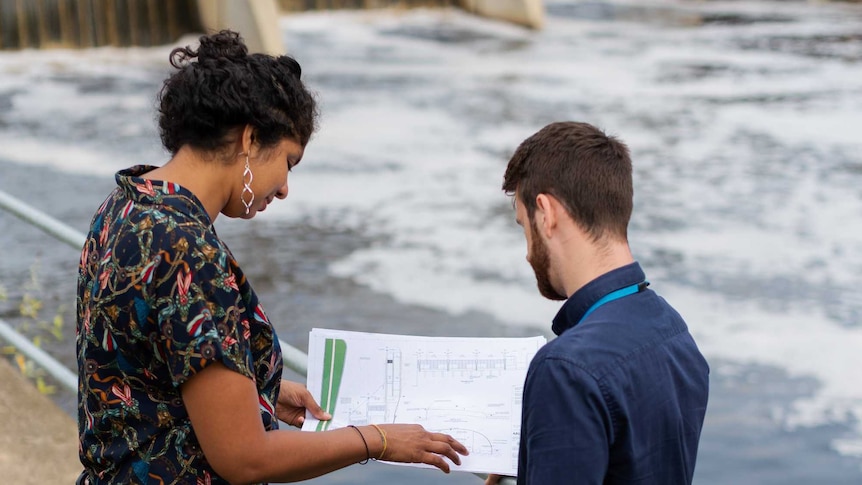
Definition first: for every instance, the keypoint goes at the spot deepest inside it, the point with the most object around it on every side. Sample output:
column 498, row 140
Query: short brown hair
column 589, row 172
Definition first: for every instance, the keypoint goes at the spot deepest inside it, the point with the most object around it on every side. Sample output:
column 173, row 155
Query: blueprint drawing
column 469, row 388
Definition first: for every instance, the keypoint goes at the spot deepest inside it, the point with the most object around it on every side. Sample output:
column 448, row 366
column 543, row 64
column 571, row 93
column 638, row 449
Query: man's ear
column 547, row 215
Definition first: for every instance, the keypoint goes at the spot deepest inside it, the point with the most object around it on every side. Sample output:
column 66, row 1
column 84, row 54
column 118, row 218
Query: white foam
column 802, row 343
column 749, row 172
column 58, row 156
column 54, row 120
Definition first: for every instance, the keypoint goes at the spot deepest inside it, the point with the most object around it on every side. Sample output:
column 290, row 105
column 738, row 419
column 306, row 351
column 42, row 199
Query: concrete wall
column 90, row 23
column 529, row 13
column 255, row 20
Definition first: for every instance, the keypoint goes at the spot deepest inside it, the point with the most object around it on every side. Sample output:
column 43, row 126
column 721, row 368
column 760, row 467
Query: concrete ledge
column 38, row 440
column 255, row 20
column 529, row 13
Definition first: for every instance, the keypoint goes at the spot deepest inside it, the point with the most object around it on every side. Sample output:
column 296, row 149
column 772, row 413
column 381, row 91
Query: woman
column 179, row 366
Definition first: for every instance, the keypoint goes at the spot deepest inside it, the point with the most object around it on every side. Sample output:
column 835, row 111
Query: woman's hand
column 411, row 443
column 293, row 400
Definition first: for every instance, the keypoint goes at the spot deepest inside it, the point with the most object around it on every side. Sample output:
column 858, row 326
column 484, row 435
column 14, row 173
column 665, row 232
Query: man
column 619, row 396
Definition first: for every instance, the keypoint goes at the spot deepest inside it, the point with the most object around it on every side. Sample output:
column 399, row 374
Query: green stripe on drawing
column 334, row 351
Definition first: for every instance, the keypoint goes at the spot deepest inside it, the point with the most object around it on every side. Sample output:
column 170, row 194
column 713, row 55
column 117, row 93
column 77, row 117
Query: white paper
column 469, row 388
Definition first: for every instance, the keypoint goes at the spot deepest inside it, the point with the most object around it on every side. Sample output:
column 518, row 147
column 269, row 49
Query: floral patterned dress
column 159, row 298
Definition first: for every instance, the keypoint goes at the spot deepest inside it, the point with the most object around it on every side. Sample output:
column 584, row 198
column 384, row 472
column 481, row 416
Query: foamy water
column 745, row 134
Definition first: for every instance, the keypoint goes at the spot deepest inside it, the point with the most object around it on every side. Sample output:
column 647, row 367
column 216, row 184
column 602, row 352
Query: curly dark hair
column 227, row 88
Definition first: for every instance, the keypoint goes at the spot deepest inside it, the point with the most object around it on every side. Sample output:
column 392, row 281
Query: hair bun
column 226, row 44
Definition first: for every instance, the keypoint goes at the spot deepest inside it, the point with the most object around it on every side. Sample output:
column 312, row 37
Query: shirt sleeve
column 567, row 426
column 198, row 309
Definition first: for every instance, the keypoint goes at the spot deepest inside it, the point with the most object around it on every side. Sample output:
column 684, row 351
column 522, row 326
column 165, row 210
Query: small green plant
column 30, row 306
column 38, row 329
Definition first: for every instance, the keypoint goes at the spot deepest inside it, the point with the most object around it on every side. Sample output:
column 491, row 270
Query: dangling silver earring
column 247, row 177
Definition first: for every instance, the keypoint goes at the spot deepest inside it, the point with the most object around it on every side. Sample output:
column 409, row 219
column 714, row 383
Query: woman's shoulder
column 165, row 230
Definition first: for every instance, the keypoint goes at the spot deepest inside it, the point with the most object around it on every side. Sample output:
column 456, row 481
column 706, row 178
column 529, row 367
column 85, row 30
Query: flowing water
column 744, row 123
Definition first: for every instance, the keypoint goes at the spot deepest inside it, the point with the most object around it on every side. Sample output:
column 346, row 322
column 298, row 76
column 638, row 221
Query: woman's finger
column 435, row 460
column 443, row 448
column 294, row 394
column 313, row 407
column 460, row 448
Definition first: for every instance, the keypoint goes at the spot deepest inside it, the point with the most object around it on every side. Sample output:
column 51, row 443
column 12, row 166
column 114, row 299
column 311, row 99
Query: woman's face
column 269, row 171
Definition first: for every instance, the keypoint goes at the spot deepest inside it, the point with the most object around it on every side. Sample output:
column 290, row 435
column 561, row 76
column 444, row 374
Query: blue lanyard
column 616, row 295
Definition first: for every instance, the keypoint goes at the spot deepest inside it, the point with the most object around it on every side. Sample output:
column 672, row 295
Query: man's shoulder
column 584, row 345
column 603, row 348
column 572, row 350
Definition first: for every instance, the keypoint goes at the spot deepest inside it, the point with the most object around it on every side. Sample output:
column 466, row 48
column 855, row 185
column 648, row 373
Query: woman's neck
column 202, row 176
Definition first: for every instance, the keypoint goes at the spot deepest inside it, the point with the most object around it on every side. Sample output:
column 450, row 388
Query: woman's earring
column 247, row 177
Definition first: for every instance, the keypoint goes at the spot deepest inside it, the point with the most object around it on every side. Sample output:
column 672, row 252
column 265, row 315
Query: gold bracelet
column 383, row 437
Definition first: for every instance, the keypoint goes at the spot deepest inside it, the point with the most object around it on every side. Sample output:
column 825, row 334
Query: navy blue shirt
column 618, row 398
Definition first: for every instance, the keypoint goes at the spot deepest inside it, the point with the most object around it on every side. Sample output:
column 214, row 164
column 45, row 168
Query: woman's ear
column 247, row 139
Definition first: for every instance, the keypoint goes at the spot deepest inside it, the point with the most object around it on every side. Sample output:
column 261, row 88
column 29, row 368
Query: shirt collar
column 157, row 192
column 577, row 305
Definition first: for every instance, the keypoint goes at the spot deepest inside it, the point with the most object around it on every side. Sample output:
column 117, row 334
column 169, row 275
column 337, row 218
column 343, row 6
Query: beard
column 540, row 260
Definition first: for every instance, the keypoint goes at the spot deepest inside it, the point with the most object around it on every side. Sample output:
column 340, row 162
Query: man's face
column 537, row 254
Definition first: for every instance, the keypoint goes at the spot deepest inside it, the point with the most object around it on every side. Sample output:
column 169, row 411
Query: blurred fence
column 298, row 5
column 45, row 24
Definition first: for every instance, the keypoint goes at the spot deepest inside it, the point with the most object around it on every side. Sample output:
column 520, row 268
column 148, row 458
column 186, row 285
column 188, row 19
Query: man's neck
column 583, row 264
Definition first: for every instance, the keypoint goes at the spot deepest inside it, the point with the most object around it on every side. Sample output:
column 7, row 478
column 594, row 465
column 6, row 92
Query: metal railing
column 58, row 371
column 294, row 359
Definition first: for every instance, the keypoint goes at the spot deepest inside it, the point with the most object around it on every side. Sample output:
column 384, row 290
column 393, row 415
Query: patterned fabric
column 159, row 298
